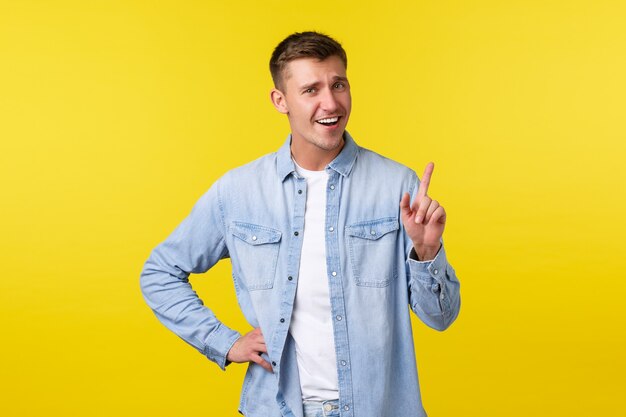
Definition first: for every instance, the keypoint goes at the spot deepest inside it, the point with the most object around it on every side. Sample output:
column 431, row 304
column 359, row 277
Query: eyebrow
column 309, row 85
column 317, row 83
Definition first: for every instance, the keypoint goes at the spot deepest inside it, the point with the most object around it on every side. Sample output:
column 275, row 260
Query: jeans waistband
column 328, row 408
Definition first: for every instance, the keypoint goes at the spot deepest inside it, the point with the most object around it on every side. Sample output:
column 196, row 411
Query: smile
column 330, row 121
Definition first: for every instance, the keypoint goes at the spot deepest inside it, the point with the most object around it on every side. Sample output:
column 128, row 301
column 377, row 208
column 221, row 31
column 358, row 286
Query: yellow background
column 115, row 116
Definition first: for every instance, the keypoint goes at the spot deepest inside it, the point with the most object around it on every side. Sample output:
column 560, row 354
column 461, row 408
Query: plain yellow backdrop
column 115, row 116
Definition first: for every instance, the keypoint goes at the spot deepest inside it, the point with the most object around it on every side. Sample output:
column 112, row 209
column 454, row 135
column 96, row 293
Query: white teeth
column 329, row 120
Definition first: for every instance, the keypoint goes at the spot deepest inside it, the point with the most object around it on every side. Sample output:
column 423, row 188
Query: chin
column 331, row 144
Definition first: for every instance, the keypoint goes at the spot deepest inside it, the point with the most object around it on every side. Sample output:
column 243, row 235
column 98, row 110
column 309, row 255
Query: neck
column 312, row 157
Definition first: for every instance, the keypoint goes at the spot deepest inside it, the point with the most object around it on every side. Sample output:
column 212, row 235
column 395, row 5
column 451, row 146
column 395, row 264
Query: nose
column 328, row 101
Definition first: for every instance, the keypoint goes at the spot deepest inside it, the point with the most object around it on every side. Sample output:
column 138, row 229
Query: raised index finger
column 428, row 172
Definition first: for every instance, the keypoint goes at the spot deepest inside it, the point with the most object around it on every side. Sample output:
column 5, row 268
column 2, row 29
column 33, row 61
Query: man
column 327, row 251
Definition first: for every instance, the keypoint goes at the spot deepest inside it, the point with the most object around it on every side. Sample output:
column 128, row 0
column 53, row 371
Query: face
column 316, row 98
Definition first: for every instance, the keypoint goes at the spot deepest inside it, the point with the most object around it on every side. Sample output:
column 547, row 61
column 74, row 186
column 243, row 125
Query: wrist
column 425, row 252
column 231, row 351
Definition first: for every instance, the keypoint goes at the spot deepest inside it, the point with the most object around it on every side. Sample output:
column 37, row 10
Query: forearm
column 178, row 307
column 434, row 290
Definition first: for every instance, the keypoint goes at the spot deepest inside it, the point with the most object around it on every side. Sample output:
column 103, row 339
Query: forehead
column 307, row 70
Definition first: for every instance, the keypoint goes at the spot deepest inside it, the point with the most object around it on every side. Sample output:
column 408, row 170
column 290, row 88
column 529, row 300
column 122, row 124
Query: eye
column 339, row 85
column 310, row 90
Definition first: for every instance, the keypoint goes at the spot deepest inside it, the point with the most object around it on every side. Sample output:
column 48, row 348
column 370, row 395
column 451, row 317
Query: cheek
column 305, row 112
column 346, row 103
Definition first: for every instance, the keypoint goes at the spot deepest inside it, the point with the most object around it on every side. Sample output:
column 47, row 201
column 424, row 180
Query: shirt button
column 332, row 187
column 442, row 296
column 332, row 229
column 290, row 278
column 334, row 274
column 283, row 403
column 328, row 407
column 296, row 233
column 273, row 363
column 299, row 191
column 338, row 318
column 436, row 271
column 282, row 320
column 343, row 363
column 346, row 407
column 372, row 232
column 253, row 237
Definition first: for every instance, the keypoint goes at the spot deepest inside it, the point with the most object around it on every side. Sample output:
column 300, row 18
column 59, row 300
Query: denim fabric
column 254, row 215
column 321, row 408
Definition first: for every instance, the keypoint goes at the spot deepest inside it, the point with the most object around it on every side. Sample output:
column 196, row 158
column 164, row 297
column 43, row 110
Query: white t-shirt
column 311, row 324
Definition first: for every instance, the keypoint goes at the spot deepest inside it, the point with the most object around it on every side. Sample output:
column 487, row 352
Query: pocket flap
column 254, row 234
column 373, row 229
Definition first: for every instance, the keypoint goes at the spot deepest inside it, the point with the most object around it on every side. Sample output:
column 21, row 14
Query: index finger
column 261, row 362
column 423, row 187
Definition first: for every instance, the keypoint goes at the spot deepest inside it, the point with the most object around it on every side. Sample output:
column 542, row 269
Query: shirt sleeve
column 194, row 247
column 434, row 289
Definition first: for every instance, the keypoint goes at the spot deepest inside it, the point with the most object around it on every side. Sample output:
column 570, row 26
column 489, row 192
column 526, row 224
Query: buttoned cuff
column 219, row 343
column 425, row 270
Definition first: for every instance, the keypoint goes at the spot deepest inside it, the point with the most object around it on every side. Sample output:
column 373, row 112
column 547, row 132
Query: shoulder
column 260, row 168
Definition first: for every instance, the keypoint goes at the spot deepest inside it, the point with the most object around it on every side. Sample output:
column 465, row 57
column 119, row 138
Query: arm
column 433, row 286
column 194, row 247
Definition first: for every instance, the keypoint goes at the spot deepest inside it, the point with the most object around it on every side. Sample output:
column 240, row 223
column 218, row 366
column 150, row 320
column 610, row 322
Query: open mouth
column 329, row 121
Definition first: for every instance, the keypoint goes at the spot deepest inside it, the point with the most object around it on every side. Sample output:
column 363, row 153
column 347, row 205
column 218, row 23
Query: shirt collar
column 342, row 163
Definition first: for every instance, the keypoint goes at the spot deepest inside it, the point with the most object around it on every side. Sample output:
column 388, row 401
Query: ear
column 278, row 100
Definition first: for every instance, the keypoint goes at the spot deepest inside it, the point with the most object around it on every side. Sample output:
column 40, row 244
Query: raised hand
column 248, row 348
column 424, row 219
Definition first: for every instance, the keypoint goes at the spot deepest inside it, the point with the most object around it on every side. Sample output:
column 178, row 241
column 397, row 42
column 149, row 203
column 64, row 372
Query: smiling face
column 316, row 98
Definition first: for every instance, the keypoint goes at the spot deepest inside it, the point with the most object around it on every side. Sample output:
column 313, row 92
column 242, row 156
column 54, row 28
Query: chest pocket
column 372, row 251
column 256, row 254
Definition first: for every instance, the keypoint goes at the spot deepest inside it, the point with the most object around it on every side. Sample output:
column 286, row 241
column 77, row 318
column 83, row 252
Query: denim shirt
column 254, row 215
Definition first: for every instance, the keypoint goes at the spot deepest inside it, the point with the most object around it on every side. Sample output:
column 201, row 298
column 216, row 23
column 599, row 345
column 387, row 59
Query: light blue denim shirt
column 254, row 215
